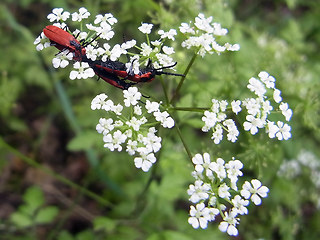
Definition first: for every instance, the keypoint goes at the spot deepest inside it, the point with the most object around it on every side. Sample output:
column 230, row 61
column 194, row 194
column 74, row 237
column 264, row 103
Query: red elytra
column 63, row 40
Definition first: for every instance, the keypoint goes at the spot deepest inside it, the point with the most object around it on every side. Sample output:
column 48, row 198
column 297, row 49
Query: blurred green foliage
column 281, row 37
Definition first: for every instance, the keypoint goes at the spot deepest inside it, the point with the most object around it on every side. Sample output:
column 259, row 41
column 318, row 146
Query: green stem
column 183, row 142
column 190, row 109
column 67, row 109
column 64, row 180
column 176, row 93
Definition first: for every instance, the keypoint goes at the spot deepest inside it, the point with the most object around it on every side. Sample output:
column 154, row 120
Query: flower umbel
column 216, row 184
column 201, row 35
column 132, row 132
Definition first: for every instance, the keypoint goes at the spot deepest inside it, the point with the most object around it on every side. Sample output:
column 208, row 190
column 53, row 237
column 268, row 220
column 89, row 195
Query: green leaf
column 83, row 141
column 21, row 220
column 65, row 236
column 85, row 235
column 33, row 197
column 46, row 215
column 104, row 223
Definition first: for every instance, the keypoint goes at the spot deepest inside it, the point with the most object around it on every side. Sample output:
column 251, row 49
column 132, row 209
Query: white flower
column 137, row 110
column 201, row 36
column 62, row 59
column 168, row 50
column 164, row 60
column 134, row 123
column 281, row 130
column 114, row 141
column 99, row 101
column 145, row 161
column 151, row 141
column 240, row 205
column 210, row 120
column 168, row 123
column 116, row 52
column 152, row 106
column 200, row 215
column 256, row 86
column 105, row 126
column 252, row 124
column 229, row 223
column 198, row 191
column 105, row 31
column 223, row 191
column 117, row 109
column 145, row 28
column 284, row 131
column 233, row 132
column 203, row 163
column 91, row 52
column 217, row 134
column 84, row 71
column 58, row 14
column 235, row 104
column 203, row 23
column 255, row 192
column 164, row 118
column 219, row 168
column 170, row 34
column 218, row 30
column 252, row 105
column 266, row 106
column 83, row 13
column 277, row 95
column 104, row 52
column 146, row 50
column 131, row 147
column 131, row 96
column 286, row 111
column 42, row 42
column 268, row 80
column 233, row 170
column 232, row 47
column 107, row 18
column 185, row 28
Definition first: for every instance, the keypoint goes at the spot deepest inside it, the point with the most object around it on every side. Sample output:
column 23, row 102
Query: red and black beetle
column 115, row 72
column 63, row 40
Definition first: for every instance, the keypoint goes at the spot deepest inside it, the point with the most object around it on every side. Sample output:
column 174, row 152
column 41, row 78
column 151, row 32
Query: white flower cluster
column 216, row 119
column 156, row 51
column 260, row 107
column 258, row 110
column 216, row 185
column 202, row 35
column 132, row 133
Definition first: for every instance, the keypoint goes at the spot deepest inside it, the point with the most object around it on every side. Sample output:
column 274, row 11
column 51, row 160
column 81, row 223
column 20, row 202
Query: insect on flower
column 116, row 73
column 63, row 40
column 110, row 71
